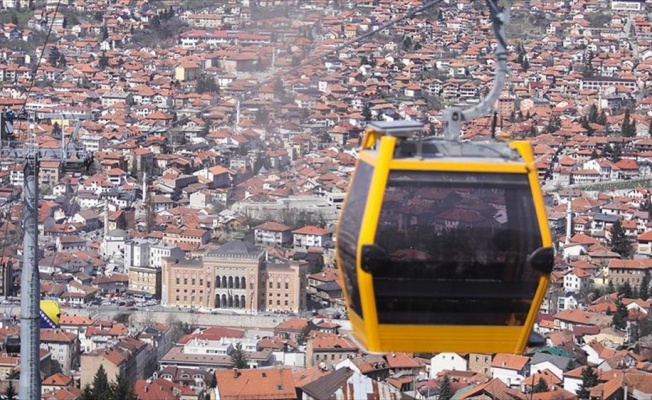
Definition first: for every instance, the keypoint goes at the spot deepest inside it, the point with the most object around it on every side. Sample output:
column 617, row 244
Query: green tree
column 100, row 384
column 619, row 319
column 121, row 389
column 628, row 126
column 594, row 154
column 103, row 61
column 87, row 393
column 589, row 380
column 366, row 112
column 10, row 392
column 54, row 56
column 554, row 124
column 625, row 290
column 238, row 357
column 644, row 289
column 445, row 391
column 619, row 242
column 541, row 386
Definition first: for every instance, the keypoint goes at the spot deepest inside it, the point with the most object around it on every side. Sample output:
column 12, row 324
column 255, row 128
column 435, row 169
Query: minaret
column 237, row 114
column 144, row 187
column 569, row 221
column 106, row 217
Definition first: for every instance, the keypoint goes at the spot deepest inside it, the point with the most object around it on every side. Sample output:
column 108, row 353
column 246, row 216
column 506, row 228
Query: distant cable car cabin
column 12, row 345
column 443, row 244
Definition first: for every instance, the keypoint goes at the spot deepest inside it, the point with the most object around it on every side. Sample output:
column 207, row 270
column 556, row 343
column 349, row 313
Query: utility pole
column 30, row 360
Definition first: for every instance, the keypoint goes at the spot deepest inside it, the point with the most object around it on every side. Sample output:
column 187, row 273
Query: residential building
column 511, row 369
column 64, row 347
column 273, row 233
column 329, row 349
column 271, row 384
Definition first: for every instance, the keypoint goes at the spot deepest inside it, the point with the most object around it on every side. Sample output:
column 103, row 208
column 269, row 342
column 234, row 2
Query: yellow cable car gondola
column 443, row 244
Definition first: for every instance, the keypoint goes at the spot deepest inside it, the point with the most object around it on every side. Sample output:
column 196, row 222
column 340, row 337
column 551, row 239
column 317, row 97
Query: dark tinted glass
column 349, row 232
column 457, row 245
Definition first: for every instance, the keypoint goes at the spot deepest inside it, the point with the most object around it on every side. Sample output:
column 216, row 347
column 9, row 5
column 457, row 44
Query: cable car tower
column 30, row 155
column 443, row 244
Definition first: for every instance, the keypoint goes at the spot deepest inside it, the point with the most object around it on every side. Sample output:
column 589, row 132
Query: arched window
column 236, row 283
column 243, row 283
column 237, row 301
column 230, row 282
column 224, row 303
column 217, row 301
column 243, row 302
column 217, row 281
column 224, row 282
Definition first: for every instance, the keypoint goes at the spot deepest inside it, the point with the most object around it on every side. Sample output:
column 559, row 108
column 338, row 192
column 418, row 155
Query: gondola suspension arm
column 454, row 116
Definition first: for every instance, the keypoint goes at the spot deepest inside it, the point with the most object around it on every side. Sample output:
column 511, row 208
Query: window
column 470, row 265
column 271, row 285
column 185, row 281
column 351, row 221
column 201, row 282
column 177, row 281
column 278, row 285
column 286, row 302
column 287, row 285
column 193, row 281
column 278, row 302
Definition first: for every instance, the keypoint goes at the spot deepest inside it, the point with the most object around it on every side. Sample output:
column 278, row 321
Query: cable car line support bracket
column 453, row 116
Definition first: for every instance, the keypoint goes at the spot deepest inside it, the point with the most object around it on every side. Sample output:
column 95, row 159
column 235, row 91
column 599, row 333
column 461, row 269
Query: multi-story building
column 114, row 361
column 273, row 233
column 236, row 275
column 64, row 347
column 329, row 349
column 145, row 281
column 284, row 286
column 311, row 236
column 629, row 271
column 184, row 283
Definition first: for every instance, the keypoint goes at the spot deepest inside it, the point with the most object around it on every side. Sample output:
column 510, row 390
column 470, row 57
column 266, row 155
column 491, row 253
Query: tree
column 644, row 289
column 619, row 242
column 103, row 61
column 554, row 124
column 366, row 112
column 100, row 384
column 589, row 380
column 121, row 389
column 10, row 392
column 445, row 392
column 625, row 290
column 619, row 319
column 54, row 56
column 594, row 154
column 238, row 358
column 628, row 127
column 541, row 386
column 87, row 393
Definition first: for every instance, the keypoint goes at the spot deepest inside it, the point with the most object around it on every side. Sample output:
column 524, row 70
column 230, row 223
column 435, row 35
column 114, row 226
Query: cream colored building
column 284, row 286
column 236, row 276
column 145, row 280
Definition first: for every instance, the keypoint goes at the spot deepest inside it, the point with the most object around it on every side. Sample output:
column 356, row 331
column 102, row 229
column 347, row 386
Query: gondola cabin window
column 349, row 229
column 457, row 246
